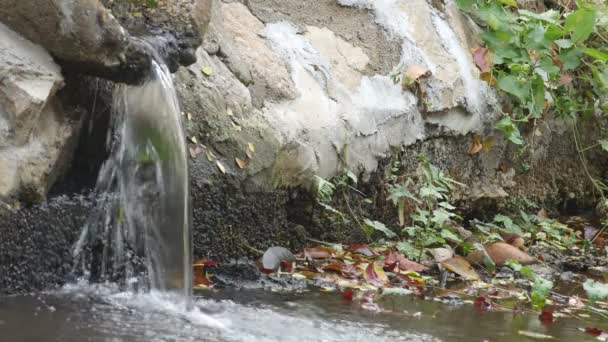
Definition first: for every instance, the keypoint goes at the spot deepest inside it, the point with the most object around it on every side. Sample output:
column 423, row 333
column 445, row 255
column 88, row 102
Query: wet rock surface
column 36, row 244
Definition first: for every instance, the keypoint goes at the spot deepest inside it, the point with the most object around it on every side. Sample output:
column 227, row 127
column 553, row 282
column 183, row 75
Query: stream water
column 86, row 313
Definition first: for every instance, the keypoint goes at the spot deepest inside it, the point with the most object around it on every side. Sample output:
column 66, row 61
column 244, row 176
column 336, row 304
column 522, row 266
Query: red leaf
column 546, row 317
column 595, row 332
column 318, row 253
column 481, row 57
column 375, row 275
column 361, row 249
column 347, row 295
column 482, row 304
column 286, row 266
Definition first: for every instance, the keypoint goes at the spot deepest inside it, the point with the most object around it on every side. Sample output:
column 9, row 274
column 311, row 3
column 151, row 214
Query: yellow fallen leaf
column 207, row 71
column 210, row 156
column 461, row 267
column 476, row 145
column 250, row 147
column 487, row 143
column 241, row 163
column 193, row 140
column 488, row 78
column 220, row 166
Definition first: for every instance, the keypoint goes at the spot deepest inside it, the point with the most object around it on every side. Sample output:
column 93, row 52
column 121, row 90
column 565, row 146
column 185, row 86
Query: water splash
column 139, row 235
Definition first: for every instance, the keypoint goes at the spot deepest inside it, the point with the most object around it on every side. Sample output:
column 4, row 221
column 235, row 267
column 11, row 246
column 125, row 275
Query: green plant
column 541, row 287
column 530, row 226
column 552, row 61
column 432, row 214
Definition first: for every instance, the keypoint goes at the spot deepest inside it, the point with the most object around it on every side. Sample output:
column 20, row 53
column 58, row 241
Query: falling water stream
column 139, row 235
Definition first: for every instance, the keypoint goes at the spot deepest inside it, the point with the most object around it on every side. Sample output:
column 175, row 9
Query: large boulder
column 36, row 135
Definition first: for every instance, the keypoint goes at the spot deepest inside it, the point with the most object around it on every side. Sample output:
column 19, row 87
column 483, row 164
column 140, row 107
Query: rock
column 442, row 254
column 500, row 252
column 241, row 43
column 36, row 136
column 599, row 271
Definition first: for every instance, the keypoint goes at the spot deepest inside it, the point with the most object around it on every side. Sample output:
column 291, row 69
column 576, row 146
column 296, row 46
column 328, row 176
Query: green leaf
column 554, row 32
column 511, row 85
column 449, row 235
column 571, row 58
column 603, row 144
column 580, row 24
column 510, row 130
column 408, row 249
column 540, row 291
column 538, row 91
column 511, row 3
column 597, row 54
column 564, row 43
column 440, row 216
column 379, row 226
column 550, row 16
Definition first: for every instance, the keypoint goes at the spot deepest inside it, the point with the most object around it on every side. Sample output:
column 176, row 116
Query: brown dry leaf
column 514, row 240
column 461, row 267
column 241, row 163
column 476, row 145
column 482, row 58
column 220, row 166
column 318, row 252
column 500, row 252
column 542, row 214
column 488, row 78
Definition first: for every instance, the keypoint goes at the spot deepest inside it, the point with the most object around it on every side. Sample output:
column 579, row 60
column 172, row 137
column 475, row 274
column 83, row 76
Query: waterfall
column 139, row 235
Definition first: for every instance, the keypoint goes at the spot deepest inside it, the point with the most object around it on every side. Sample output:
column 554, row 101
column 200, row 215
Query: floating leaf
column 482, row 304
column 220, row 166
column 271, row 260
column 546, row 317
column 347, row 295
column 374, row 274
column 396, row 291
column 489, row 78
column 534, row 335
column 481, row 57
column 461, row 267
column 208, row 71
column 595, row 332
column 241, row 163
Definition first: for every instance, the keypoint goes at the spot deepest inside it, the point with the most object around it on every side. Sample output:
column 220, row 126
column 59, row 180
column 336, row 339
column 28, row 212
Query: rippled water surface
column 84, row 313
